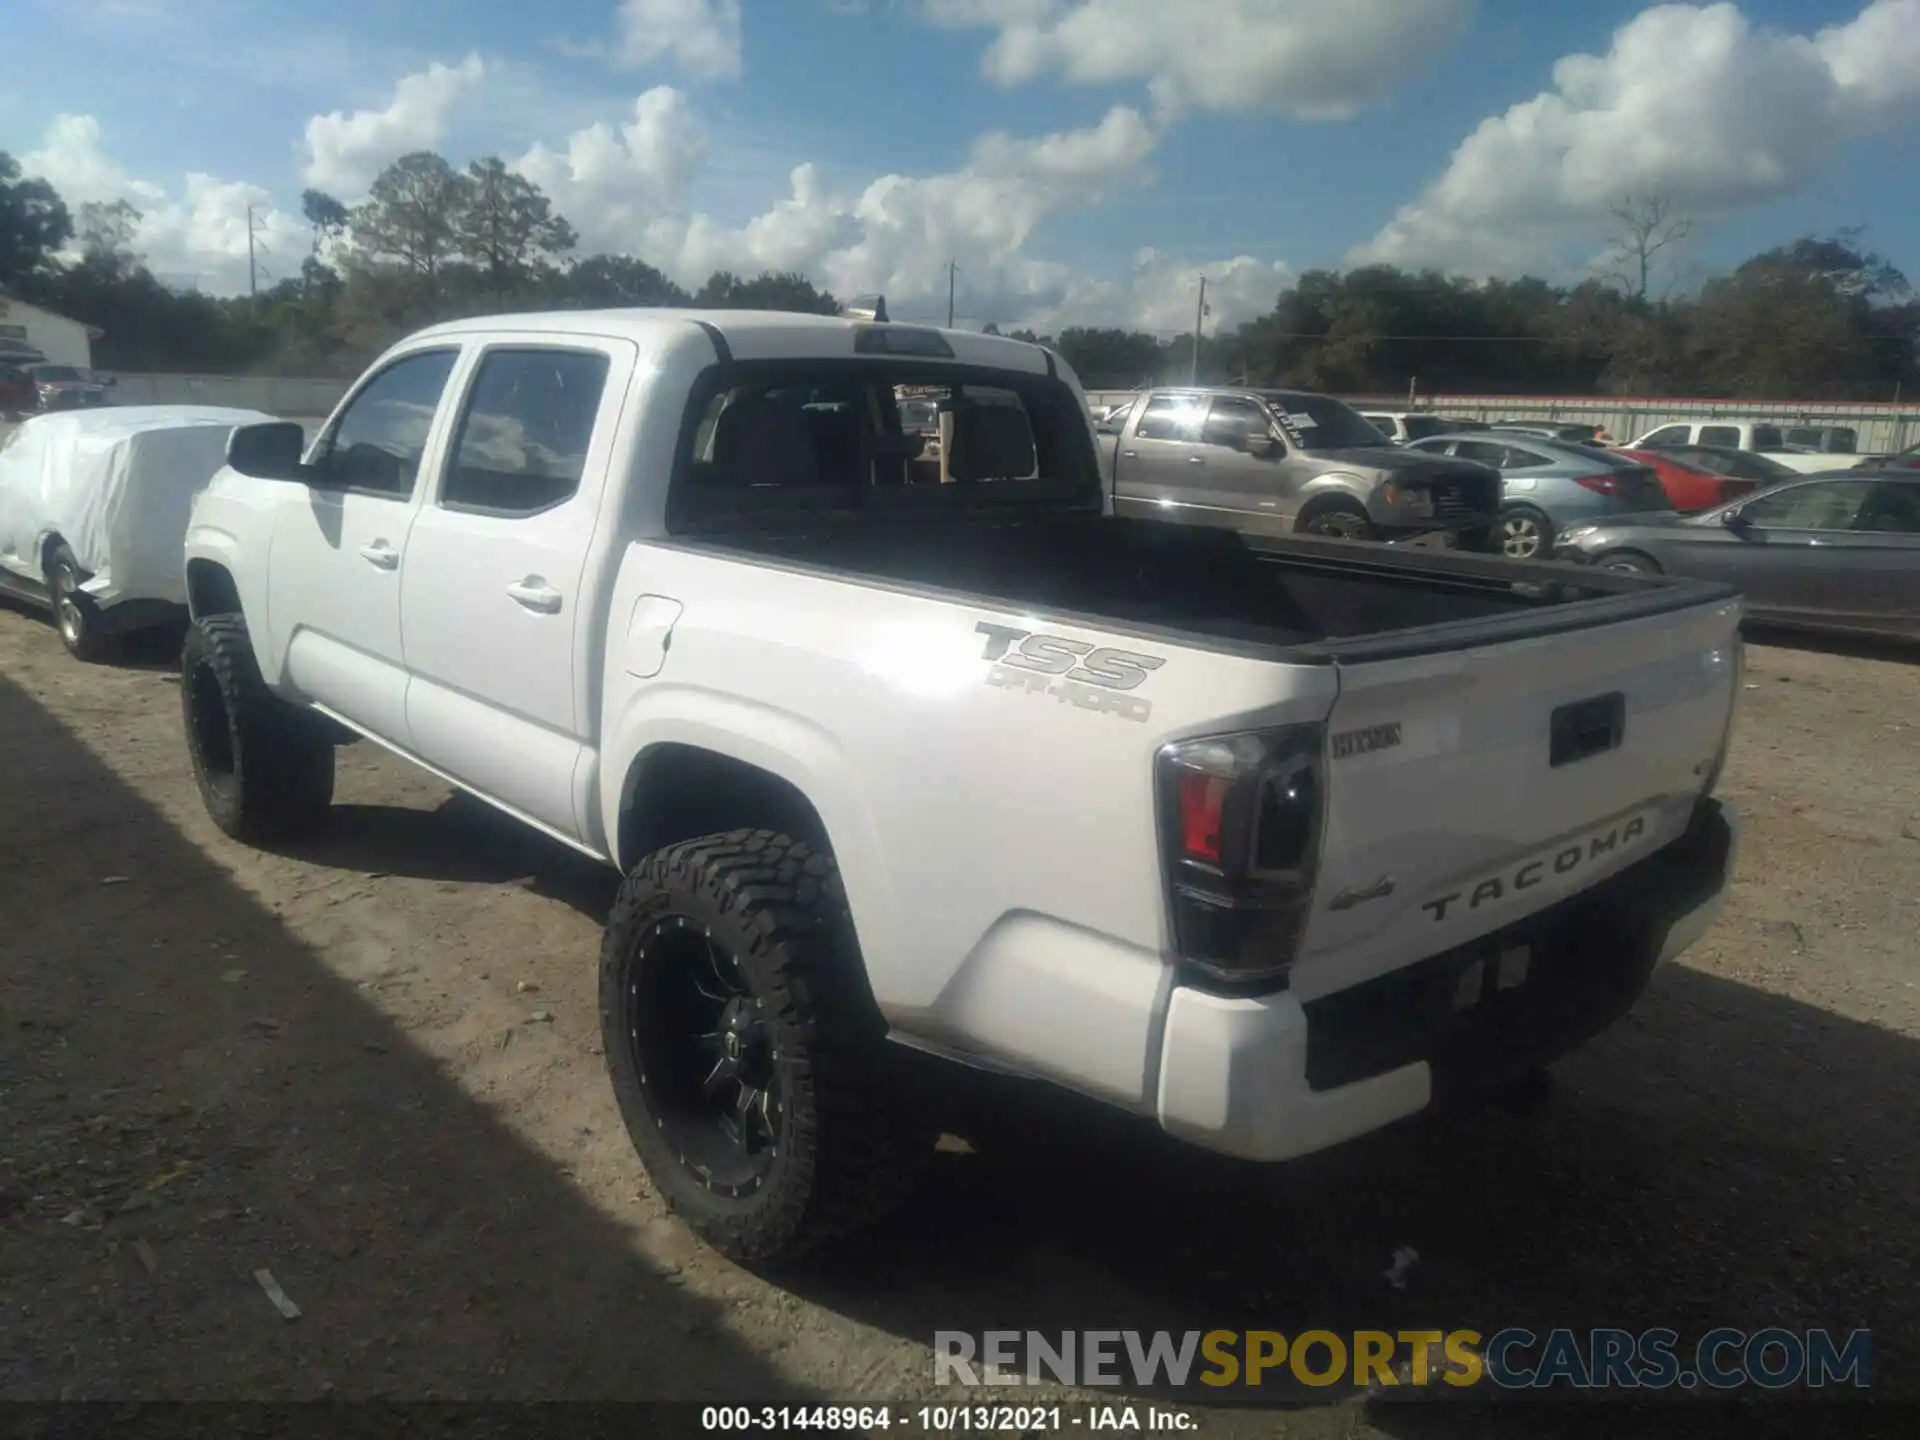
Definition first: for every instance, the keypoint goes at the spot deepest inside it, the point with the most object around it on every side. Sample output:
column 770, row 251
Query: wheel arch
column 675, row 790
column 1328, row 492
column 211, row 589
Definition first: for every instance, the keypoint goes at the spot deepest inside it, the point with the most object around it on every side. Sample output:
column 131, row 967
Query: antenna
column 253, row 269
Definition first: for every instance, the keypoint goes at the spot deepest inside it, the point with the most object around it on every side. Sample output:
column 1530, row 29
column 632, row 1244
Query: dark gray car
column 66, row 387
column 1284, row 462
column 1839, row 551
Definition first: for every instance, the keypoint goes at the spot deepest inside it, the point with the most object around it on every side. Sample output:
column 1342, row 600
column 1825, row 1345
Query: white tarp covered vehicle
column 93, row 513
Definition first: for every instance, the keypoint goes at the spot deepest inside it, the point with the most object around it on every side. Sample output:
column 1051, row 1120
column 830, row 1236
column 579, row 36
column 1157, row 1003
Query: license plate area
column 1487, row 1010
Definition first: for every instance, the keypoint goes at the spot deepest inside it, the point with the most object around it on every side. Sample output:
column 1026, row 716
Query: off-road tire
column 1339, row 520
column 850, row 1149
column 75, row 617
column 264, row 767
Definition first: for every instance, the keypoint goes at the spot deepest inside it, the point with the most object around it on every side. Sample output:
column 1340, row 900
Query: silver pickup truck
column 1285, row 462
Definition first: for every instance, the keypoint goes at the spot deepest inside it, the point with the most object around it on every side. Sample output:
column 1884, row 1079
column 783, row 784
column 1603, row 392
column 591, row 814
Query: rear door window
column 1230, row 420
column 1722, row 435
column 1768, row 437
column 522, row 443
column 1483, row 452
column 1890, row 509
column 1829, row 505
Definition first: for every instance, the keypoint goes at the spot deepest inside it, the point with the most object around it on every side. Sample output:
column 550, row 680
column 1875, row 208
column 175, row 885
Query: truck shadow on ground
column 192, row 1095
column 462, row 840
column 1722, row 1157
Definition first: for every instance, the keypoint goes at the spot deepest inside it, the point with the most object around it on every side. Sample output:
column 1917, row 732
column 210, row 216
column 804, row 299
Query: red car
column 1691, row 485
column 17, row 393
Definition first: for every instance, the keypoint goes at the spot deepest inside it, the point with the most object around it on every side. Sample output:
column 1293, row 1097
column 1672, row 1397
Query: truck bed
column 1300, row 599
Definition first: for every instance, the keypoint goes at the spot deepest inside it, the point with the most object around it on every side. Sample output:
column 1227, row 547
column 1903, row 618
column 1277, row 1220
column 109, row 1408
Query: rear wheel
column 75, row 615
column 748, row 1060
column 1525, row 533
column 265, row 768
column 1630, row 561
column 1340, row 519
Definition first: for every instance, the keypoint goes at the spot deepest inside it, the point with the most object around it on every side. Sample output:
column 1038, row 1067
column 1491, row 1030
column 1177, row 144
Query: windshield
column 1419, row 427
column 55, row 372
column 1319, row 422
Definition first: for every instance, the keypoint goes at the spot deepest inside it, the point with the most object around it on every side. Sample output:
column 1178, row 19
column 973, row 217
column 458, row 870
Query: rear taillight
column 1719, row 762
column 1600, row 484
column 1241, row 820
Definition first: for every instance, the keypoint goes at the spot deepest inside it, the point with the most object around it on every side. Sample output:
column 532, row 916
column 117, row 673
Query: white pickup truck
column 1270, row 847
column 1762, row 437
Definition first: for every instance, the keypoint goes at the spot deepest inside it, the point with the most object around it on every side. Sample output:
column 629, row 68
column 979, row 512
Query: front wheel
column 1630, row 562
column 75, row 615
column 1340, row 520
column 265, row 768
column 1525, row 533
column 746, row 1056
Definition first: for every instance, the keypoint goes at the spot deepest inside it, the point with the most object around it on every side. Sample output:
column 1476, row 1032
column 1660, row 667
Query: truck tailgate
column 1467, row 790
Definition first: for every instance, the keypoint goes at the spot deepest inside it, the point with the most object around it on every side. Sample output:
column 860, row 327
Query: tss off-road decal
column 1090, row 677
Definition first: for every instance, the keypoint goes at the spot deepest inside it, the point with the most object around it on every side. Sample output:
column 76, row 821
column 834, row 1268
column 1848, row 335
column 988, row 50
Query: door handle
column 382, row 554
column 1196, row 459
column 535, row 594
column 1130, row 454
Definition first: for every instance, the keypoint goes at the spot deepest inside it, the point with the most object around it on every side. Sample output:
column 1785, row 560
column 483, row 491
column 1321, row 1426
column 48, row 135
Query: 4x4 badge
column 1347, row 899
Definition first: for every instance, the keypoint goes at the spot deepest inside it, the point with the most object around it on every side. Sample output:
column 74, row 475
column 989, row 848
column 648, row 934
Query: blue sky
column 1082, row 160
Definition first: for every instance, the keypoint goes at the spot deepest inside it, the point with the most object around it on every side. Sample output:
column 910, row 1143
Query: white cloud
column 702, row 37
column 195, row 238
column 626, row 189
column 1160, row 294
column 345, row 152
column 1304, row 58
column 629, row 185
column 1695, row 101
column 620, row 184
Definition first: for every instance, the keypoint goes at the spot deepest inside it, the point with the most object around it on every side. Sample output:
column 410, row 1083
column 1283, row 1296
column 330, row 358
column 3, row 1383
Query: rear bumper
column 1268, row 1078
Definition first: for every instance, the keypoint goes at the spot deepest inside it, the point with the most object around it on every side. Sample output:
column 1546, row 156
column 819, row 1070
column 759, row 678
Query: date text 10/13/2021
column 944, row 1419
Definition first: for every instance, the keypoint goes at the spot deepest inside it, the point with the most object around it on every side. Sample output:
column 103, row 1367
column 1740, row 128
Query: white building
column 62, row 341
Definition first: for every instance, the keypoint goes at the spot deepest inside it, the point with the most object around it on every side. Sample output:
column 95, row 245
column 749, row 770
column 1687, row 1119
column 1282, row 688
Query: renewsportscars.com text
column 1512, row 1359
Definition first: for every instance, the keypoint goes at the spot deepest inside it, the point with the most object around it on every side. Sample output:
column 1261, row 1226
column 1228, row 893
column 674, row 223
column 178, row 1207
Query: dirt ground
column 371, row 1068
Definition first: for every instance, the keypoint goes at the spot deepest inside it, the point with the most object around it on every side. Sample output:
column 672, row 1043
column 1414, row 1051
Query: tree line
column 1821, row 317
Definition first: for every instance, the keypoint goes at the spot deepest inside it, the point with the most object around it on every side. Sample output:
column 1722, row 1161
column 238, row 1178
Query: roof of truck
column 750, row 334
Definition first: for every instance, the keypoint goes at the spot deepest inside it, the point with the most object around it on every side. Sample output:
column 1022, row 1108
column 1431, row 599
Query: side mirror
column 1733, row 520
column 1259, row 444
column 268, row 451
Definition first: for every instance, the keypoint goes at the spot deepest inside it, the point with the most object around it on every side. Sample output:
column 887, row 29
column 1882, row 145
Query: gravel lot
column 371, row 1068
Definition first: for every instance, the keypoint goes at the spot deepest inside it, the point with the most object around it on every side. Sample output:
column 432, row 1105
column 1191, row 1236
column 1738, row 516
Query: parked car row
column 41, row 387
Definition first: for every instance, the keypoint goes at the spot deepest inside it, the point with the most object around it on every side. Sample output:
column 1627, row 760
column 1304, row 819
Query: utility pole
column 253, row 272
column 1199, row 318
column 952, row 271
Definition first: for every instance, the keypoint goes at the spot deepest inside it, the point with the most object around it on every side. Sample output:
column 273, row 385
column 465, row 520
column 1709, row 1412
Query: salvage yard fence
column 1880, row 427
